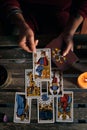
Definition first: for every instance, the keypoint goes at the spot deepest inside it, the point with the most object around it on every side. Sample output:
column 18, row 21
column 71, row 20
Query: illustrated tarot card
column 55, row 85
column 45, row 109
column 64, row 107
column 22, row 108
column 42, row 64
column 32, row 88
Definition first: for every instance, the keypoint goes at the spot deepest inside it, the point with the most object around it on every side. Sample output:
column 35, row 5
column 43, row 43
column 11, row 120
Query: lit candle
column 82, row 80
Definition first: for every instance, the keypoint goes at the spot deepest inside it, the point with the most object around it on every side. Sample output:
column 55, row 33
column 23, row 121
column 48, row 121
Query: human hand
column 63, row 43
column 26, row 38
column 68, row 40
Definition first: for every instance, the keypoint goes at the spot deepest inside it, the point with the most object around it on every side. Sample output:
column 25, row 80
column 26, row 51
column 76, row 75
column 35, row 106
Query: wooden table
column 15, row 60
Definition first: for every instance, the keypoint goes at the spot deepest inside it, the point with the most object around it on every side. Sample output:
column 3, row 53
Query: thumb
column 68, row 48
column 36, row 42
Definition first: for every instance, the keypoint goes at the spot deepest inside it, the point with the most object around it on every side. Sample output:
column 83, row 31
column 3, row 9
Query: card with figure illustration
column 42, row 64
column 22, row 108
column 55, row 85
column 64, row 107
column 32, row 88
column 45, row 109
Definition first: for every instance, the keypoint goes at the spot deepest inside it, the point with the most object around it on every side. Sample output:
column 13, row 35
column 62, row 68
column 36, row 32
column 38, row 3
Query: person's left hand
column 68, row 40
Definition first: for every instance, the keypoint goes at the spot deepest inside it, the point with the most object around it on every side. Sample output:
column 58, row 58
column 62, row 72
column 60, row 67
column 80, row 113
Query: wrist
column 67, row 36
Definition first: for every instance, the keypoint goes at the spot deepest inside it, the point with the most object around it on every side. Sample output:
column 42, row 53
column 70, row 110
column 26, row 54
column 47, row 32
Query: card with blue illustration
column 45, row 109
column 55, row 85
column 32, row 87
column 22, row 108
column 42, row 64
column 64, row 107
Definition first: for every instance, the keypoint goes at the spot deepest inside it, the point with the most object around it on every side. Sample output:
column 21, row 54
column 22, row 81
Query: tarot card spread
column 45, row 109
column 42, row 64
column 64, row 108
column 55, row 85
column 22, row 109
column 32, row 88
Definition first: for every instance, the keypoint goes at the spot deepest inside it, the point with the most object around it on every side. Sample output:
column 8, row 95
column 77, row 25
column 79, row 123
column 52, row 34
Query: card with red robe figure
column 42, row 64
column 64, row 107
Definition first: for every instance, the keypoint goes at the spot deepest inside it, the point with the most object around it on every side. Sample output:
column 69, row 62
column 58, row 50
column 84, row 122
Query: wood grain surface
column 15, row 60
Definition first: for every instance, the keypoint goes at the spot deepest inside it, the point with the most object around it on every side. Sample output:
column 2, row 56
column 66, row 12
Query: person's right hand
column 26, row 38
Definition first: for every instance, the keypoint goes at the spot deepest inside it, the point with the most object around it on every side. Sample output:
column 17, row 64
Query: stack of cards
column 45, row 85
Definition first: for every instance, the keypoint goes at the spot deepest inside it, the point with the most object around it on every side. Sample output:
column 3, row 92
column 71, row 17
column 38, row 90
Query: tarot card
column 42, row 64
column 45, row 109
column 55, row 85
column 22, row 108
column 32, row 88
column 64, row 107
column 57, row 46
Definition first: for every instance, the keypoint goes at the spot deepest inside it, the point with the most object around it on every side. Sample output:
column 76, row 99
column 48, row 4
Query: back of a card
column 61, row 62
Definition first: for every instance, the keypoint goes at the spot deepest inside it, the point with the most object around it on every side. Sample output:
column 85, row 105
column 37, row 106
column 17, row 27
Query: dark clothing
column 51, row 15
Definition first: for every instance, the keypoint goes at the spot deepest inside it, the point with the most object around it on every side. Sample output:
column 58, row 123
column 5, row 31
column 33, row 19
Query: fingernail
column 34, row 51
column 64, row 54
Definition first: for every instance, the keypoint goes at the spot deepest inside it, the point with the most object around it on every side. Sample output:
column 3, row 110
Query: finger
column 69, row 47
column 72, row 48
column 36, row 42
column 31, row 44
column 32, row 47
column 23, row 45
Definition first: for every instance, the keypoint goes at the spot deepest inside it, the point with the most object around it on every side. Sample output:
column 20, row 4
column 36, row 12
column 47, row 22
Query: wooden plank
column 19, row 84
column 80, row 97
column 14, row 53
column 7, row 41
column 8, row 97
column 80, row 114
column 60, row 126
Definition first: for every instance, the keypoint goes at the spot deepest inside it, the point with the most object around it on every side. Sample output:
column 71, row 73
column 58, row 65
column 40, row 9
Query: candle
column 82, row 80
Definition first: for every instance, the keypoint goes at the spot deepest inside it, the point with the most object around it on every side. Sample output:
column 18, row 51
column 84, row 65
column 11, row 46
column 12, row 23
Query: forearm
column 17, row 19
column 72, row 25
column 69, row 32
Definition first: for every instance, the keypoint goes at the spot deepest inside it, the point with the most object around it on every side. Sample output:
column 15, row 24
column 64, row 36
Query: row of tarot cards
column 46, row 111
column 45, row 85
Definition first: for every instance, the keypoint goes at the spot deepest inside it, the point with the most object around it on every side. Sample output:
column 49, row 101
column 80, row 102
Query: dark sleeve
column 82, row 7
column 8, row 7
column 82, row 10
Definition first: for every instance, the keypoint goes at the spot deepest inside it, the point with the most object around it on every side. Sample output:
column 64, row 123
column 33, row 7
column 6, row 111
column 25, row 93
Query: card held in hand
column 64, row 107
column 42, row 64
column 57, row 47
column 22, row 108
